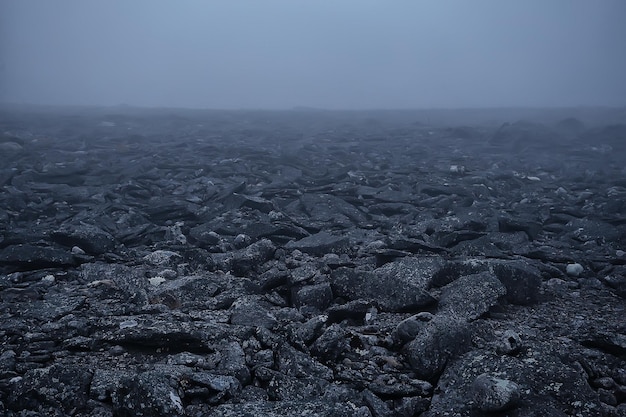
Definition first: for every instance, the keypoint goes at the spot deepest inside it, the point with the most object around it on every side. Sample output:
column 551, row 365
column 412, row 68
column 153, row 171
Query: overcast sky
column 356, row 54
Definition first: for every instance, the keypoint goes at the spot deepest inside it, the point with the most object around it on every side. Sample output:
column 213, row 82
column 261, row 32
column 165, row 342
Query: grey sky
column 320, row 53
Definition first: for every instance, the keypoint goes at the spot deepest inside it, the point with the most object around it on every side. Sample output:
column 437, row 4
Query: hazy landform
column 170, row 262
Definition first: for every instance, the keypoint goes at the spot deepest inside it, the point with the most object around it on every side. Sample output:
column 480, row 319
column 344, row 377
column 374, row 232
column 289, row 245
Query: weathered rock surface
column 209, row 263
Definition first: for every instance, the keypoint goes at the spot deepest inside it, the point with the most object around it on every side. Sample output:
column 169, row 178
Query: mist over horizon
column 280, row 54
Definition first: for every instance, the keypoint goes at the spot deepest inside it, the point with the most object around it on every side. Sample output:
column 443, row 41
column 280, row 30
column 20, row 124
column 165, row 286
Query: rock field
column 311, row 263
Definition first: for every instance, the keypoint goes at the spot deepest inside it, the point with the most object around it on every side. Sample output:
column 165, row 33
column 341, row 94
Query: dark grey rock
column 28, row 257
column 91, row 239
column 325, row 209
column 236, row 200
column 61, row 387
column 352, row 310
column 303, row 273
column 608, row 341
column 331, row 344
column 249, row 259
column 164, row 334
column 616, row 280
column 204, row 235
column 442, row 339
column 471, row 296
column 397, row 286
column 212, row 388
column 186, row 290
column 162, row 210
column 320, row 244
column 531, row 228
column 453, row 238
column 411, row 406
column 319, row 296
column 376, row 405
column 148, row 394
column 310, row 330
column 358, row 219
column 586, row 230
column 495, row 394
column 522, row 281
column 294, row 363
column 249, row 312
column 233, row 361
column 106, row 382
column 546, row 385
column 164, row 258
column 117, row 282
column 275, row 231
column 7, row 363
column 408, row 328
column 286, row 388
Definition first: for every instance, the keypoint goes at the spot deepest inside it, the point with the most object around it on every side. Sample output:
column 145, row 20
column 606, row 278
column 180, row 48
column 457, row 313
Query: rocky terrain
column 310, row 263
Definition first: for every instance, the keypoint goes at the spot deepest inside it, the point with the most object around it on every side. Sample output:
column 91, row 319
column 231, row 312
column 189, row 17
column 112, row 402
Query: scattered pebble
column 574, row 270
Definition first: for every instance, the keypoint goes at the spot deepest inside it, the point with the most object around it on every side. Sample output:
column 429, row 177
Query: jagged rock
column 7, row 363
column 204, row 235
column 471, row 296
column 61, row 387
column 286, row 388
column 325, row 209
column 148, row 394
column 532, row 229
column 310, row 330
column 377, row 406
column 319, row 244
column 212, row 388
column 90, row 238
column 249, row 312
column 192, row 289
column 397, row 286
column 236, row 200
column 546, row 385
column 586, row 230
column 331, row 344
column 28, row 257
column 319, row 296
column 303, row 273
column 233, row 361
column 522, row 281
column 353, row 310
column 441, row 340
column 247, row 260
column 105, row 383
column 294, row 363
column 118, row 282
